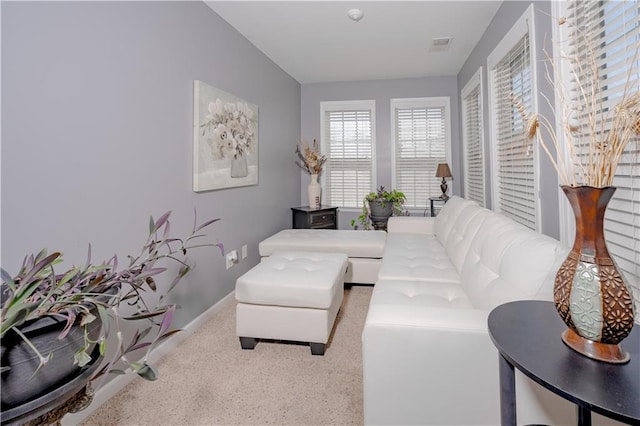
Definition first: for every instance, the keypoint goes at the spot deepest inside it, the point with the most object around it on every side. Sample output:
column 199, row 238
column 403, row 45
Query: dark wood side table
column 527, row 335
column 433, row 201
column 306, row 217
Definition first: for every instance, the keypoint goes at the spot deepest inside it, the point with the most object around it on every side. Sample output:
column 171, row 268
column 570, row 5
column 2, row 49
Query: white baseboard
column 118, row 383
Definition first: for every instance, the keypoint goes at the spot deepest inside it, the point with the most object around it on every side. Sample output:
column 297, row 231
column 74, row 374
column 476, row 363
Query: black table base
column 527, row 335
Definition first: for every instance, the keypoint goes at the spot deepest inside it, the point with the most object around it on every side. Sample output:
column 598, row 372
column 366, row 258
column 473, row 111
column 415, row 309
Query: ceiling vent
column 440, row 44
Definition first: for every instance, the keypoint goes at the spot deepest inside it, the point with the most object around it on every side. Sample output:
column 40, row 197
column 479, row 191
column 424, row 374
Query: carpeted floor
column 209, row 380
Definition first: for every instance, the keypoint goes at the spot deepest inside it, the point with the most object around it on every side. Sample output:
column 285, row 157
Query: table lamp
column 444, row 172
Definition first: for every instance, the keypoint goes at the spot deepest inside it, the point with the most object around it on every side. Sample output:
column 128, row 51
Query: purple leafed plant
column 80, row 295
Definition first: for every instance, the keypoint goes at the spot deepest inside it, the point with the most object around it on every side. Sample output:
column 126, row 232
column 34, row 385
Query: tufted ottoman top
column 366, row 244
column 301, row 279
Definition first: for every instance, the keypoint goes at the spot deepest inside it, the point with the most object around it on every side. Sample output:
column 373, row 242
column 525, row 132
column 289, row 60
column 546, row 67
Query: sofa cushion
column 367, row 244
column 465, row 227
column 528, row 269
column 411, row 225
column 445, row 220
column 507, row 261
column 416, row 257
column 417, row 293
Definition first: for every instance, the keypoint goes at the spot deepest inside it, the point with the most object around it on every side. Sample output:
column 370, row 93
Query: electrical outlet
column 244, row 251
column 231, row 258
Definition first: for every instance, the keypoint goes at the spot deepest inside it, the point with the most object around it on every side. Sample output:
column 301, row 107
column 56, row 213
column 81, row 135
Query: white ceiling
column 314, row 41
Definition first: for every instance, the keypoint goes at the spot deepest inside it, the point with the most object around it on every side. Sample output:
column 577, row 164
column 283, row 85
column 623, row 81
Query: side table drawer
column 322, row 219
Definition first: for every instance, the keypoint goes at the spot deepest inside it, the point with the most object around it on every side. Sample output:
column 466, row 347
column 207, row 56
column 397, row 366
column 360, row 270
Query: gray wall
column 382, row 91
column 507, row 15
column 97, row 112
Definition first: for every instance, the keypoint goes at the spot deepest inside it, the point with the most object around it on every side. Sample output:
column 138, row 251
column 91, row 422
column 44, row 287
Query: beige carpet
column 209, row 380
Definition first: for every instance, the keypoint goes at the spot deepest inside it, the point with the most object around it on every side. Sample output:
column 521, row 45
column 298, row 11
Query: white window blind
column 348, row 141
column 613, row 29
column 421, row 141
column 515, row 192
column 473, row 139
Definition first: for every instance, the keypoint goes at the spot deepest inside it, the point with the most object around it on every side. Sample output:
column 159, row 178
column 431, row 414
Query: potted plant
column 57, row 324
column 378, row 206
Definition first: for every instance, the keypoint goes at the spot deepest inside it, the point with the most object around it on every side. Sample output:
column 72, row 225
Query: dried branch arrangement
column 309, row 158
column 596, row 133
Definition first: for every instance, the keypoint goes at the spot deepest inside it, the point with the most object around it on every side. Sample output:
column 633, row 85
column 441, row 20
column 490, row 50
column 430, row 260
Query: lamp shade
column 443, row 170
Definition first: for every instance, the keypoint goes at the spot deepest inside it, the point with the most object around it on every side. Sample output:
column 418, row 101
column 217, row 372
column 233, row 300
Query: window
column 348, row 141
column 472, row 139
column 616, row 26
column 421, row 140
column 514, row 156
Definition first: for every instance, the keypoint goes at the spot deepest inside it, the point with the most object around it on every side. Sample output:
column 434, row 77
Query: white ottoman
column 291, row 296
column 364, row 248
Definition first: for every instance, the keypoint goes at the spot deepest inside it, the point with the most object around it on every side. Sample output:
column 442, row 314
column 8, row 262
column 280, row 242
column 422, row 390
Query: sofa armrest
column 434, row 366
column 429, row 366
column 411, row 224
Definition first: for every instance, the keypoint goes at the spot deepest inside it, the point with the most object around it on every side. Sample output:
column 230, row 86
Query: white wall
column 97, row 104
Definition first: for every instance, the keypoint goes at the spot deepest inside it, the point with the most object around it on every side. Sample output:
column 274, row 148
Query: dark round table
column 527, row 336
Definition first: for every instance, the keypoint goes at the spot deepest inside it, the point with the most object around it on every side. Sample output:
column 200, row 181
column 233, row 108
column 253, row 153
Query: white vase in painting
column 239, row 168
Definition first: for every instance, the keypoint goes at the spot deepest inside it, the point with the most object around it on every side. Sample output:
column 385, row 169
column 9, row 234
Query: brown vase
column 590, row 293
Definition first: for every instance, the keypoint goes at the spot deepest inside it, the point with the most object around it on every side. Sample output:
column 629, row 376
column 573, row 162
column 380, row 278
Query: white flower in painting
column 215, row 116
column 221, row 133
column 216, row 149
column 241, row 141
column 225, row 138
column 232, row 127
column 231, row 112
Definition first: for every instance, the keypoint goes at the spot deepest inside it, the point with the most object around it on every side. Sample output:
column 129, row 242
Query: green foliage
column 395, row 197
column 80, row 293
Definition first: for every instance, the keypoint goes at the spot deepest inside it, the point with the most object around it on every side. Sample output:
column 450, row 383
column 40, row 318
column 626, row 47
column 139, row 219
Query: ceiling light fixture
column 355, row 14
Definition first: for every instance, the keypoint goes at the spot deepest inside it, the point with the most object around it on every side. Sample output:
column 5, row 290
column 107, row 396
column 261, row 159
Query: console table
column 306, row 217
column 527, row 336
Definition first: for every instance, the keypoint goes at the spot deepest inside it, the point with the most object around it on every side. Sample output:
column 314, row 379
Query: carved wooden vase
column 590, row 293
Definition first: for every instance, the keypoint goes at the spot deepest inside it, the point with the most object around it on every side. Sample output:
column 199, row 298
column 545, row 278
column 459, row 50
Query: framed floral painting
column 225, row 140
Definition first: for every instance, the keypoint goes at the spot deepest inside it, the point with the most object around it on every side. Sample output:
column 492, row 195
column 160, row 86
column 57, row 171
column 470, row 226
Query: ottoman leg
column 248, row 342
column 317, row 348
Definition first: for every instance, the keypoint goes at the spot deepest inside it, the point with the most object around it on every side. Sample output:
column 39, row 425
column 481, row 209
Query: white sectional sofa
column 427, row 355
